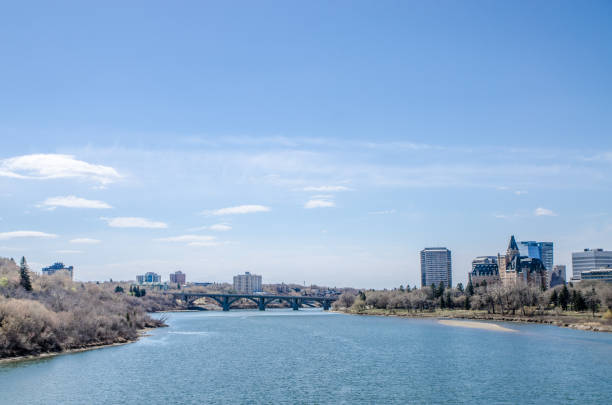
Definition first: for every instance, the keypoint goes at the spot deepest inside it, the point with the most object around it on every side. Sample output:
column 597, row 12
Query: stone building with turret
column 513, row 267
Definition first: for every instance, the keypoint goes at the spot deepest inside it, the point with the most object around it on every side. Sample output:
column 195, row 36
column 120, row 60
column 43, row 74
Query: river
column 314, row 357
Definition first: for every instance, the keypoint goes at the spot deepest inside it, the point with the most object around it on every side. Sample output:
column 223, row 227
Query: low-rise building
column 589, row 259
column 148, row 278
column 57, row 267
column 178, row 277
column 602, row 274
column 247, row 283
column 484, row 269
column 557, row 276
column 202, row 283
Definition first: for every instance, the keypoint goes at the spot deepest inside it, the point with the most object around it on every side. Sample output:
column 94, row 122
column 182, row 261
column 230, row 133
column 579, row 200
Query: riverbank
column 39, row 356
column 54, row 314
column 580, row 321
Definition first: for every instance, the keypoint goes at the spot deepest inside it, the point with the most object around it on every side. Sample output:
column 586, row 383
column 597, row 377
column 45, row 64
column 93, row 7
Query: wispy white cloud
column 187, row 238
column 220, row 227
column 56, row 166
column 85, row 241
column 604, row 156
column 134, row 222
column 520, row 192
column 215, row 227
column 319, row 203
column 203, row 244
column 544, row 212
column 71, row 201
column 68, row 251
column 240, row 209
column 326, row 189
column 191, row 240
column 26, row 234
column 383, row 212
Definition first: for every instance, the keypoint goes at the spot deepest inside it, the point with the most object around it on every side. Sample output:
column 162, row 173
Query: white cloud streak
column 134, row 222
column 383, row 212
column 220, row 227
column 187, row 238
column 26, row 234
column 319, row 203
column 240, row 209
column 85, row 241
column 326, row 189
column 544, row 212
column 192, row 240
column 72, row 201
column 55, row 166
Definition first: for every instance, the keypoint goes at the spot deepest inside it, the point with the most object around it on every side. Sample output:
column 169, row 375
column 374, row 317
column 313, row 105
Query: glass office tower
column 538, row 250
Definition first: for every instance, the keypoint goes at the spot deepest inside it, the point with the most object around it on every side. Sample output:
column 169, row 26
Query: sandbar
column 475, row 325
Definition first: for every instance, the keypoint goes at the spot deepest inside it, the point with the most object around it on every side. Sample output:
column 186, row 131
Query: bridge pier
column 226, row 303
column 295, row 304
column 326, row 305
column 261, row 304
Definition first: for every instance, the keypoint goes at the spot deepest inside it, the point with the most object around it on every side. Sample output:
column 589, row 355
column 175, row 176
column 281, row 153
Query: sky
column 318, row 142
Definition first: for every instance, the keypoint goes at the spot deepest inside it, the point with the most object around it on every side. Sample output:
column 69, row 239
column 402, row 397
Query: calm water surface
column 283, row 356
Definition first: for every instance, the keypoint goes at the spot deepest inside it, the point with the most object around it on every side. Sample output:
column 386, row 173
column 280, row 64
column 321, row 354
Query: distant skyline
column 325, row 142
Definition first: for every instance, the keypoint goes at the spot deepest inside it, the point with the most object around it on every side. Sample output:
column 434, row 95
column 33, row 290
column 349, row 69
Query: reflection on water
column 309, row 356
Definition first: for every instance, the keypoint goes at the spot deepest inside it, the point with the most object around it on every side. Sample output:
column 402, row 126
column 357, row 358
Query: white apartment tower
column 436, row 267
column 247, row 283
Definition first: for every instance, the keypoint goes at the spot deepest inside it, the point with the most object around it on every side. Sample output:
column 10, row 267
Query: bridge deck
column 285, row 297
column 262, row 300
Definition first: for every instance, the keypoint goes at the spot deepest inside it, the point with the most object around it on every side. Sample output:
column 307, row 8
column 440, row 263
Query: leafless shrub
column 60, row 314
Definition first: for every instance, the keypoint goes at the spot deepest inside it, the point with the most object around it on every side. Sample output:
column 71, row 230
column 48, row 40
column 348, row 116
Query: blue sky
column 350, row 135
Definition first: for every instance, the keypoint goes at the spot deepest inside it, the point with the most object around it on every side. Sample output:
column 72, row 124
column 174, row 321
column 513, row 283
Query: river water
column 313, row 357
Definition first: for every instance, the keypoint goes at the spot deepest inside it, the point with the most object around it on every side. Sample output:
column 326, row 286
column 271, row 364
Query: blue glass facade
column 538, row 250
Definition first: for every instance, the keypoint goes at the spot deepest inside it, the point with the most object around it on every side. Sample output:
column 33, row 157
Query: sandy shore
column 475, row 325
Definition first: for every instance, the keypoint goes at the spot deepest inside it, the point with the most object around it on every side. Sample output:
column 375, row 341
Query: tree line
column 495, row 298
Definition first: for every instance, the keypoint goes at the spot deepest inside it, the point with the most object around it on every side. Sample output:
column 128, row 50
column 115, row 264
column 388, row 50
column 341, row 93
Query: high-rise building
column 436, row 267
column 57, row 267
column 178, row 277
column 589, row 259
column 538, row 250
column 247, row 283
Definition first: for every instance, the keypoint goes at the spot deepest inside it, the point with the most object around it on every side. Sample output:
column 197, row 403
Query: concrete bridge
column 226, row 300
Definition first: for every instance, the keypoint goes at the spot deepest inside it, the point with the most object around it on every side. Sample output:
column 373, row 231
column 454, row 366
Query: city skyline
column 323, row 145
